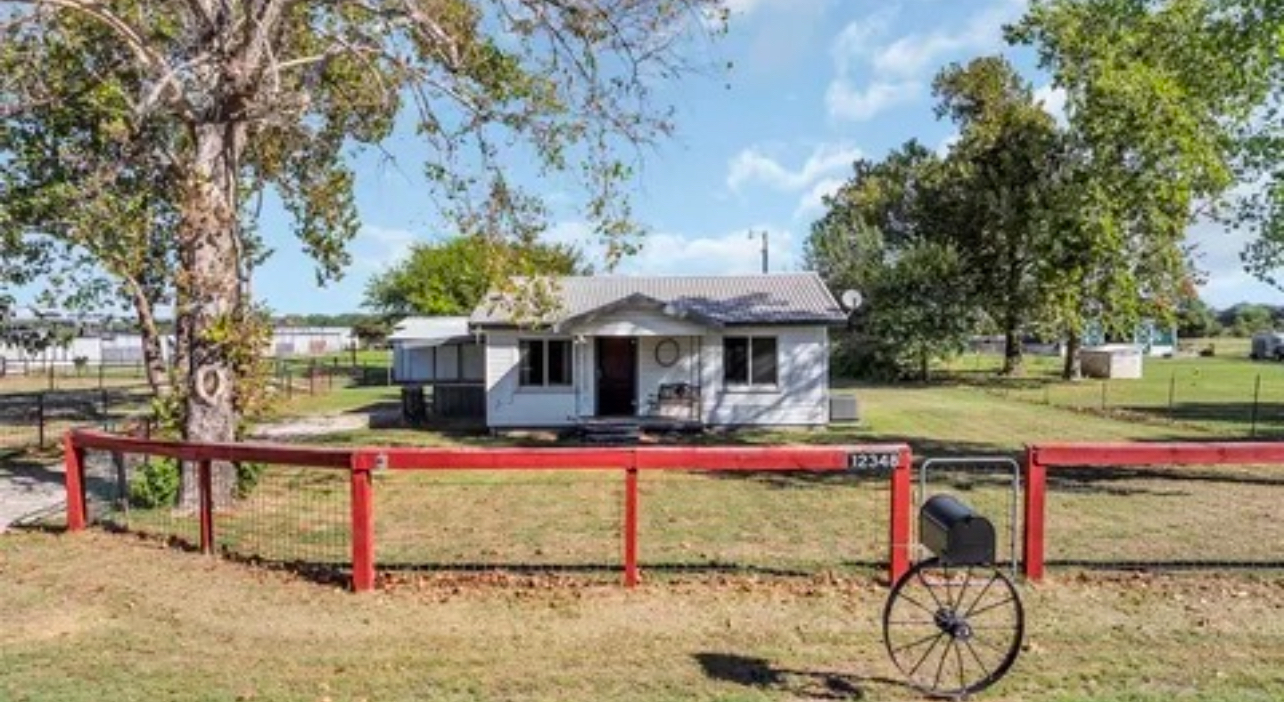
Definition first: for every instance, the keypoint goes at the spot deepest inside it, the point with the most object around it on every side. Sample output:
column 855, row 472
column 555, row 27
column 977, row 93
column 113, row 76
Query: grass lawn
column 1228, row 395
column 95, row 617
column 478, row 603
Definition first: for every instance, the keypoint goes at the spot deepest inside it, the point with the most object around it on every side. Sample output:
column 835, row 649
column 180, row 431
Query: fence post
column 74, row 464
column 1257, row 394
column 1172, row 393
column 899, row 528
column 362, row 504
column 101, row 369
column 1036, row 485
column 40, row 420
column 631, row 524
column 205, row 476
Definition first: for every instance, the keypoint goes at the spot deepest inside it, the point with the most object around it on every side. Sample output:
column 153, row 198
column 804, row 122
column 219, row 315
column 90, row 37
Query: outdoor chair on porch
column 675, row 401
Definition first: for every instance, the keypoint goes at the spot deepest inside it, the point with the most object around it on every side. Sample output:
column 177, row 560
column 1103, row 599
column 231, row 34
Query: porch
column 651, row 381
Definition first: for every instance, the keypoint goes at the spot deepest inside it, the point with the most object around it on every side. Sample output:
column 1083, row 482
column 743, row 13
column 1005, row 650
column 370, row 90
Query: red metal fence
column 362, row 465
column 1155, row 505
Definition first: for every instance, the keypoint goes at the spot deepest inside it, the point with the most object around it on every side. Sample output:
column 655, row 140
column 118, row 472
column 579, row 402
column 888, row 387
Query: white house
column 709, row 351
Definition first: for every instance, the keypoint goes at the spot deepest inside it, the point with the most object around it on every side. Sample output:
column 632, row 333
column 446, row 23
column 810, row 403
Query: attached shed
column 443, row 356
column 430, row 349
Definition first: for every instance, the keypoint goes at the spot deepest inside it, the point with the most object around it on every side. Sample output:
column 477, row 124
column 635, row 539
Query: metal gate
column 989, row 484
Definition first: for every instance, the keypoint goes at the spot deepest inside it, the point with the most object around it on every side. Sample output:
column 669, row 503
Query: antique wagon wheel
column 953, row 631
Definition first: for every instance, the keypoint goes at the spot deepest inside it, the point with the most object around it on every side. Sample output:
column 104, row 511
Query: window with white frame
column 750, row 360
column 545, row 363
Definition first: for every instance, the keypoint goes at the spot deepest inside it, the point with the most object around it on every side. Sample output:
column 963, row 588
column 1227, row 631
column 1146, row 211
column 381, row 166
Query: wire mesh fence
column 989, row 485
column 31, row 375
column 483, row 521
column 1164, row 517
column 38, row 419
column 288, row 516
column 789, row 512
column 1228, row 400
column 762, row 523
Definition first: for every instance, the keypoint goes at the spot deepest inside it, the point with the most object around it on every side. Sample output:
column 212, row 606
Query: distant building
column 310, row 341
column 1151, row 337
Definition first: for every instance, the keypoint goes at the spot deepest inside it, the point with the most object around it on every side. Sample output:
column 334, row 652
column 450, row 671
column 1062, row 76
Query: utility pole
column 762, row 234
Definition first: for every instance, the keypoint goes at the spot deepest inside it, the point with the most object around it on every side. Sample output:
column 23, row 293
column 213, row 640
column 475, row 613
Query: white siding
column 633, row 322
column 801, row 396
column 411, row 364
column 508, row 404
column 651, row 374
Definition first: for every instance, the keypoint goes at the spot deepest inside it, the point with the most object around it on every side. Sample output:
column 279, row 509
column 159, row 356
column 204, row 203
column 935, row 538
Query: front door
column 617, row 376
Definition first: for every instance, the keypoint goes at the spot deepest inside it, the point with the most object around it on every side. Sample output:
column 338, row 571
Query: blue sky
column 815, row 85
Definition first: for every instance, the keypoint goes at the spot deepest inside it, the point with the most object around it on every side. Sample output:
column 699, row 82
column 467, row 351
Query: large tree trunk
column 1073, row 368
column 1013, row 351
column 210, row 298
column 153, row 355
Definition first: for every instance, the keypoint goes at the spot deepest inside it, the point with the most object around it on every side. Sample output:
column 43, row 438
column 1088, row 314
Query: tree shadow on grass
column 808, row 684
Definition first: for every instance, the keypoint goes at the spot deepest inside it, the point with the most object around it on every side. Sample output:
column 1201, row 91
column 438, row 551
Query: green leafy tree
column 1195, row 319
column 232, row 97
column 999, row 191
column 90, row 212
column 883, row 235
column 452, row 277
column 1247, row 319
column 1162, row 99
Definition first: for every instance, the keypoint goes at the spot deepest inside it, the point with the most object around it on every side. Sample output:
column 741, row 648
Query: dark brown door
column 617, row 377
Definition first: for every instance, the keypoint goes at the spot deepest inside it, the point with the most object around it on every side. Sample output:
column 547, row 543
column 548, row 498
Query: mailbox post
column 953, row 624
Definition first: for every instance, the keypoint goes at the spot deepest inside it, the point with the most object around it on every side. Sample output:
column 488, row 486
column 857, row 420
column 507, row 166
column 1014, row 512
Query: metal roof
column 429, row 331
column 777, row 298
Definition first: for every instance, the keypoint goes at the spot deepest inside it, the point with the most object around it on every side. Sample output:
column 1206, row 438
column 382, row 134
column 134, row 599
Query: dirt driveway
column 27, row 490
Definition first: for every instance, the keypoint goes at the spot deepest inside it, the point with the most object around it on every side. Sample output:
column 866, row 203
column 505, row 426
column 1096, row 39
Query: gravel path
column 311, row 426
column 28, row 490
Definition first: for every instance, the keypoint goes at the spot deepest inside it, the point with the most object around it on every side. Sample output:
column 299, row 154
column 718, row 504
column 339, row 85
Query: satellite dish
column 851, row 299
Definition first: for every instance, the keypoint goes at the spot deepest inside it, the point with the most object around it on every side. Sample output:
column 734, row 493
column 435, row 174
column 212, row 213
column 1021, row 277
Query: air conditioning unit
column 842, row 408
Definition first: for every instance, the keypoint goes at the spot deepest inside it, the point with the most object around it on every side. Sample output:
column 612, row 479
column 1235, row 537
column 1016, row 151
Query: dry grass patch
column 106, row 617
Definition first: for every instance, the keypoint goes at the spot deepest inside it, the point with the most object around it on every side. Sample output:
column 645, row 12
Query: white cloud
column 736, row 252
column 813, row 201
column 846, row 101
column 754, row 164
column 859, row 39
column 943, row 148
column 376, row 247
column 914, row 54
column 747, row 7
column 896, row 73
column 1216, row 251
column 671, row 253
column 1053, row 100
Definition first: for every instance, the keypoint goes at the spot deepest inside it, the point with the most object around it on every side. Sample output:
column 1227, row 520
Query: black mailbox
column 955, row 533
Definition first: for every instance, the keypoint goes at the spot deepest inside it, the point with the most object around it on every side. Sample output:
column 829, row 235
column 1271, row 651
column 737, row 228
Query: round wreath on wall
column 666, row 352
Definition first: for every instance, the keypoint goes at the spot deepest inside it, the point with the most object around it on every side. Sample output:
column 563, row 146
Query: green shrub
column 156, row 485
column 247, row 477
